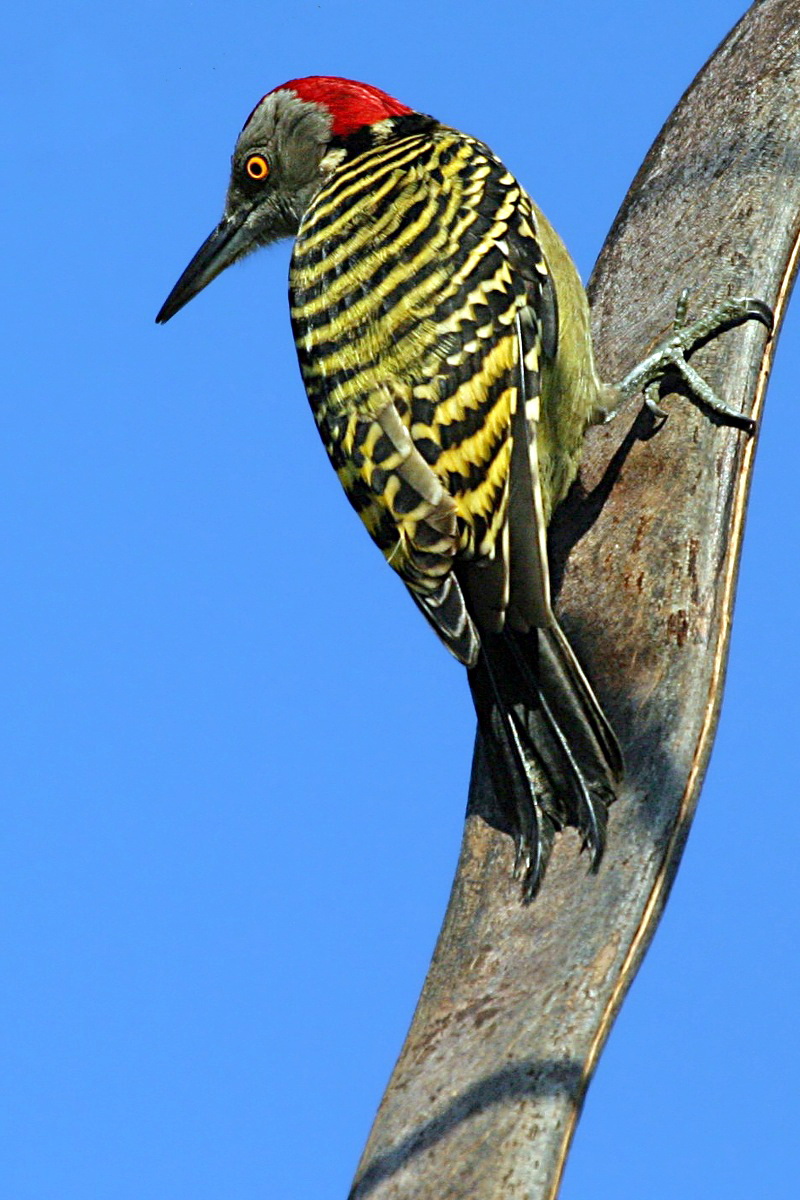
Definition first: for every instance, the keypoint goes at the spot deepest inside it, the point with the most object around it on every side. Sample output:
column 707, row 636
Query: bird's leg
column 670, row 358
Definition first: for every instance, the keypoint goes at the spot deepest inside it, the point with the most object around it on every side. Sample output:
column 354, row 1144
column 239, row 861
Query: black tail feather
column 553, row 758
column 589, row 817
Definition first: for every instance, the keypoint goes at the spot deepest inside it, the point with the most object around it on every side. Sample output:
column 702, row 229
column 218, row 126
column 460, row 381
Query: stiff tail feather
column 553, row 757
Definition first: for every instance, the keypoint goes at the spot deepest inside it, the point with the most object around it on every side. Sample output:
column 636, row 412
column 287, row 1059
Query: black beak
column 228, row 242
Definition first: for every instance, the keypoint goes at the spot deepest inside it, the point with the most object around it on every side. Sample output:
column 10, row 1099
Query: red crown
column 351, row 105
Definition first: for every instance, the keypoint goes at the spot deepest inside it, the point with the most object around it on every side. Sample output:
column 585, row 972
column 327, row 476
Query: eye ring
column 257, row 167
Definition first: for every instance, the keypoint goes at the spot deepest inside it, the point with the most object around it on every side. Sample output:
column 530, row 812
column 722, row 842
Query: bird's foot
column 671, row 357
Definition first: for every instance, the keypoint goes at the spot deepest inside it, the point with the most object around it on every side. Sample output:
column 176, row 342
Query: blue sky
column 225, row 850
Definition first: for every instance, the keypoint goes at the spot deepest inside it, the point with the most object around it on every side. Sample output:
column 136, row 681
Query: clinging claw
column 672, row 355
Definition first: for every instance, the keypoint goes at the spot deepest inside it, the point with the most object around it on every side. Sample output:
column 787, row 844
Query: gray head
column 278, row 165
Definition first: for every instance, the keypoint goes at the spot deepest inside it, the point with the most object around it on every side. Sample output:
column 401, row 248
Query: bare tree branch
column 519, row 1000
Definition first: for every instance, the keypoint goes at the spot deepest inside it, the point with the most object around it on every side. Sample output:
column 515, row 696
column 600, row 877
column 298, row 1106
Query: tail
column 552, row 754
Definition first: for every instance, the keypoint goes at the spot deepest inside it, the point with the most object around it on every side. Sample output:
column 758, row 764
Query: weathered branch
column 519, row 1000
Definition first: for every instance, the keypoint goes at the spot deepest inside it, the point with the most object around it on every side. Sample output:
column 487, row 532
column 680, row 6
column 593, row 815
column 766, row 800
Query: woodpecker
column 443, row 338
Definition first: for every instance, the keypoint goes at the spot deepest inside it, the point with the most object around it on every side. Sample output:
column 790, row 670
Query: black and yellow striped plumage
column 443, row 336
column 451, row 379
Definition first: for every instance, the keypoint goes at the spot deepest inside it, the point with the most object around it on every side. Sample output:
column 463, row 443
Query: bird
column 443, row 337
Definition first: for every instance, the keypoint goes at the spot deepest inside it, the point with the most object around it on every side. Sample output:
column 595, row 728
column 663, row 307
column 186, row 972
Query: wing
column 407, row 510
column 485, row 423
column 421, row 313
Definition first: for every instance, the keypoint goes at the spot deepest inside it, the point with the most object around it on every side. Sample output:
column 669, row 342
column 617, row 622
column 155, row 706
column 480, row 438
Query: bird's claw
column 651, row 402
column 671, row 357
column 681, row 305
column 687, row 337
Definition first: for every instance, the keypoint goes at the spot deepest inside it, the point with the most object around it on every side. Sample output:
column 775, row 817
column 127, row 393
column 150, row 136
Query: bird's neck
column 344, row 149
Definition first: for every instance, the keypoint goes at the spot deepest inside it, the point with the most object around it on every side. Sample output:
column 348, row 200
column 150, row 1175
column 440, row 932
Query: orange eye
column 257, row 167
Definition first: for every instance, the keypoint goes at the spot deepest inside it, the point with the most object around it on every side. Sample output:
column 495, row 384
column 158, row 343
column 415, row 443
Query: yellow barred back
column 402, row 288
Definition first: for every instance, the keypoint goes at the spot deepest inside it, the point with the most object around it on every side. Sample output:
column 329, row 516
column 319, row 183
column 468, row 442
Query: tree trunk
column 519, row 1000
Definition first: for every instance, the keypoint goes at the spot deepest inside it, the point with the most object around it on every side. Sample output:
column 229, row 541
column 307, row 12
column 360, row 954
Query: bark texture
column 519, row 1000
